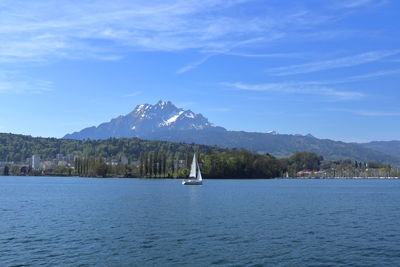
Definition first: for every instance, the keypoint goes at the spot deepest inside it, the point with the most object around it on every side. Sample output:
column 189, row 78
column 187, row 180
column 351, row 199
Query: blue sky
column 330, row 68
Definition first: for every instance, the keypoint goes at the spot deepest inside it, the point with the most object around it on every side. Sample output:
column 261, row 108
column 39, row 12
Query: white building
column 47, row 165
column 35, row 162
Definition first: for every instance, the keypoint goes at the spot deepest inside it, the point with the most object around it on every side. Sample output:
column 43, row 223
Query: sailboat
column 195, row 177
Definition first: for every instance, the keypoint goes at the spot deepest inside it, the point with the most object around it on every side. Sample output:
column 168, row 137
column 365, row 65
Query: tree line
column 227, row 164
column 156, row 159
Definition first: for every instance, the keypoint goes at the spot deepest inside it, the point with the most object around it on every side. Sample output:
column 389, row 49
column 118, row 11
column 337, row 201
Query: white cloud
column 356, row 78
column 133, row 94
column 355, row 3
column 371, row 113
column 272, row 55
column 11, row 82
column 360, row 3
column 224, row 51
column 185, row 104
column 378, row 113
column 323, row 87
column 297, row 88
column 194, row 64
column 40, row 29
column 103, row 29
column 343, row 62
column 368, row 76
column 219, row 109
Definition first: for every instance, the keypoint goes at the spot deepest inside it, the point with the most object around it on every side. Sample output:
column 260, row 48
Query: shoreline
column 171, row 178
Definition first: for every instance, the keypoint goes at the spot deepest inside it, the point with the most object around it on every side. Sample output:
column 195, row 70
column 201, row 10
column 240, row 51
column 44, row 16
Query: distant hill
column 165, row 121
column 279, row 145
column 15, row 147
column 388, row 147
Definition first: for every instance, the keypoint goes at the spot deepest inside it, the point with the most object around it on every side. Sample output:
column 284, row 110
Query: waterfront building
column 35, row 162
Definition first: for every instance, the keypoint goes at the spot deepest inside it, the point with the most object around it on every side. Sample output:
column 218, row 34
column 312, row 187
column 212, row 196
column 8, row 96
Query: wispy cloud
column 350, row 61
column 214, row 53
column 360, row 3
column 322, row 87
column 11, row 82
column 272, row 55
column 371, row 113
column 356, row 3
column 368, row 76
column 393, row 60
column 133, row 94
column 101, row 29
column 194, row 64
column 296, row 88
column 219, row 109
column 185, row 104
column 227, row 52
column 355, row 78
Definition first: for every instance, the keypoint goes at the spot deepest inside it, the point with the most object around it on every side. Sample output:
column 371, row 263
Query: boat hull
column 192, row 182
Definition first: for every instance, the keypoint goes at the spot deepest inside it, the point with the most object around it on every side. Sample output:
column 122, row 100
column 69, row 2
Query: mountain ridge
column 144, row 120
column 166, row 122
column 388, row 147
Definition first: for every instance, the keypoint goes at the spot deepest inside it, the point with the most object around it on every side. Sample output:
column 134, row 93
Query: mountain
column 280, row 145
column 164, row 121
column 387, row 147
column 145, row 120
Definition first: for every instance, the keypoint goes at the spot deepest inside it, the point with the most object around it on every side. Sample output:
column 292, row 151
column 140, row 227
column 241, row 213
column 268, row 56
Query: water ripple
column 122, row 222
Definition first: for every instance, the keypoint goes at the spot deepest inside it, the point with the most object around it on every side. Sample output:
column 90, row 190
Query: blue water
column 134, row 222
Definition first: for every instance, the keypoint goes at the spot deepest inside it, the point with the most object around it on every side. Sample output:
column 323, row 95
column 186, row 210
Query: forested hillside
column 19, row 147
column 148, row 158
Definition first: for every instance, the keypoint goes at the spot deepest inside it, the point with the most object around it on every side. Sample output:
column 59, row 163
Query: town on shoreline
column 147, row 166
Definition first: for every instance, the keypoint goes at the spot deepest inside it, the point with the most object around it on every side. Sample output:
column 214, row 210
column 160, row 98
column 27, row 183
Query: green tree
column 6, row 171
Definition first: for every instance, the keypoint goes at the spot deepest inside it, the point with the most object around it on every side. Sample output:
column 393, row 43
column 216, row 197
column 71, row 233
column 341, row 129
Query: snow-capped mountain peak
column 166, row 115
column 189, row 114
column 163, row 104
column 147, row 119
column 172, row 119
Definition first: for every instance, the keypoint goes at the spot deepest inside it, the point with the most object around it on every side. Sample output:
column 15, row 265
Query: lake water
column 136, row 222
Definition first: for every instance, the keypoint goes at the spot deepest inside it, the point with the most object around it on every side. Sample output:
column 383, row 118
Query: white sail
column 193, row 168
column 199, row 177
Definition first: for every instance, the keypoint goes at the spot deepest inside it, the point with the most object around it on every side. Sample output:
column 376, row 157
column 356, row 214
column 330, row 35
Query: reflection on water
column 194, row 195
